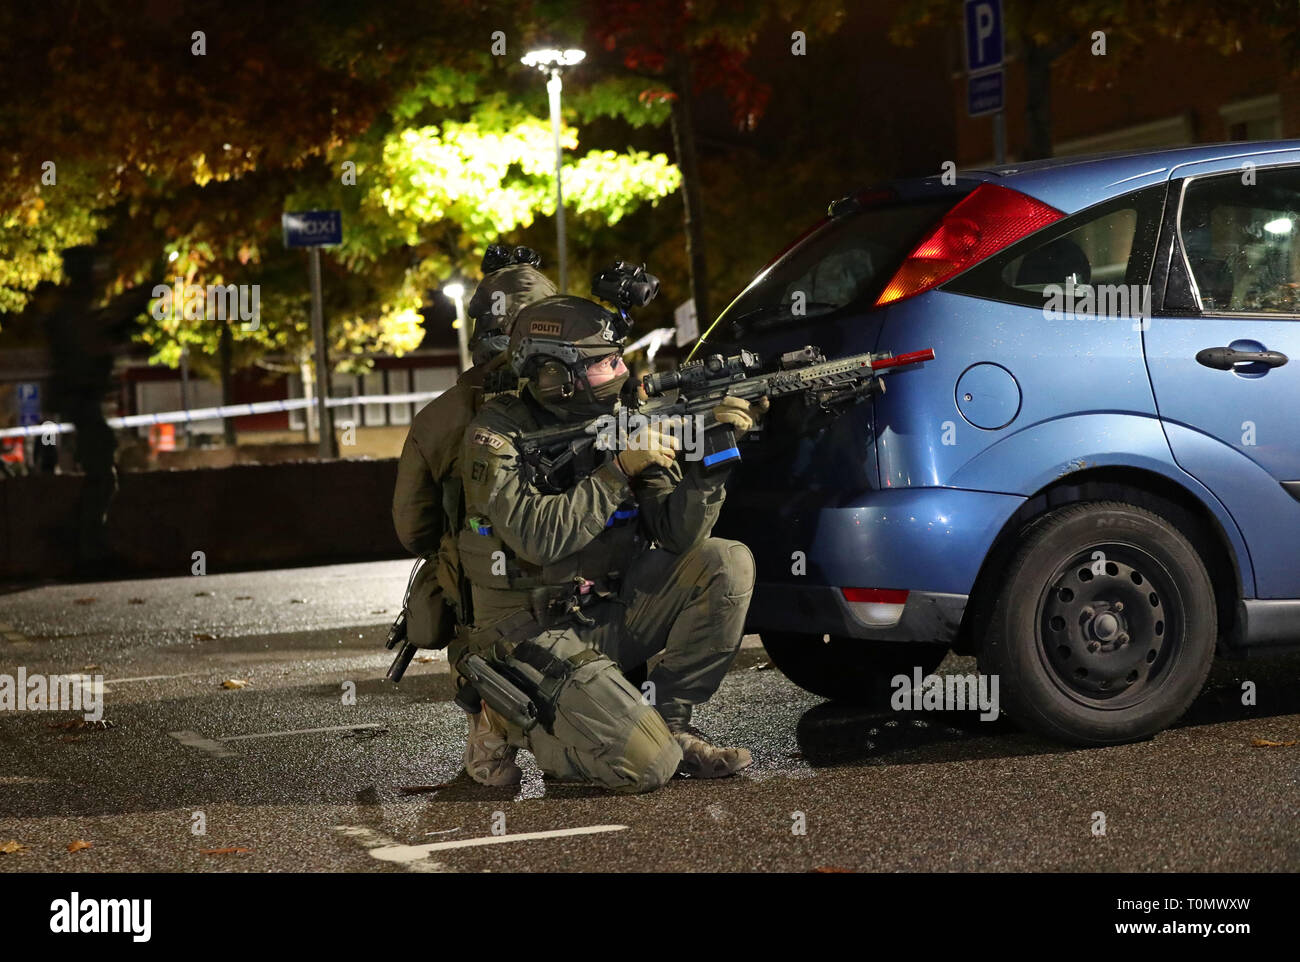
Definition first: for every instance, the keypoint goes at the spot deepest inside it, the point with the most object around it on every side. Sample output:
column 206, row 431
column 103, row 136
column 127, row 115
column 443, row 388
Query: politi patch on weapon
column 482, row 436
column 550, row 328
column 478, row 470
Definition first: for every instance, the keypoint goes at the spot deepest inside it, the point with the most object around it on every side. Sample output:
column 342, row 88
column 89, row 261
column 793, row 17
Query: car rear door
column 1223, row 351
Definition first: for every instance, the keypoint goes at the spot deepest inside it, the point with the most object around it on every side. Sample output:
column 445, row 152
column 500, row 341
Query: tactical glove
column 740, row 414
column 648, row 446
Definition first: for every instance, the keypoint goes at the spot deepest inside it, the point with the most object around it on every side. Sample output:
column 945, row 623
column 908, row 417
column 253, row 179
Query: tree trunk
column 308, row 393
column 1038, row 100
column 683, row 127
column 226, row 356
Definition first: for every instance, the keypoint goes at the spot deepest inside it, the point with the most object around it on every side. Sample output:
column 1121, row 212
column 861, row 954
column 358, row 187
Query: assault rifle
column 552, row 455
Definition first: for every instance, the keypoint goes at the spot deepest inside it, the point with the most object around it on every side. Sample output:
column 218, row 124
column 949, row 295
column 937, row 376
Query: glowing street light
column 457, row 293
column 551, row 62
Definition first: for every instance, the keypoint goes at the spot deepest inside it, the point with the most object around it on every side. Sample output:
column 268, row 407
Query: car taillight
column 986, row 220
column 876, row 607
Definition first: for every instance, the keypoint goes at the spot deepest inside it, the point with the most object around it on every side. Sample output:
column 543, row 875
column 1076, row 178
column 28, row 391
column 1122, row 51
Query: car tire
column 1105, row 625
column 854, row 670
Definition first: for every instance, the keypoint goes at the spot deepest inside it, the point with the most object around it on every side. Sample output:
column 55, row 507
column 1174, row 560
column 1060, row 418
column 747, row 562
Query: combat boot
column 703, row 759
column 489, row 758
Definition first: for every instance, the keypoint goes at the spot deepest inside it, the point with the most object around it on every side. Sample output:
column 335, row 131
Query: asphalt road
column 286, row 770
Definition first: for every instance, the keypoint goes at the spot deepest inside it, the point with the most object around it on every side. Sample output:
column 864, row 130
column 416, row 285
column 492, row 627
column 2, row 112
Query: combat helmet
column 510, row 283
column 552, row 343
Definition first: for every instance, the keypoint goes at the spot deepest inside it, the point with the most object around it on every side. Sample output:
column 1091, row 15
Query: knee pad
column 739, row 568
column 600, row 729
column 731, row 566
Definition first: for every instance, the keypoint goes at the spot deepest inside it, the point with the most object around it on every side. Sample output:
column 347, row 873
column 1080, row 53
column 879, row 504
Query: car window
column 1090, row 258
column 1240, row 241
column 844, row 262
column 1095, row 252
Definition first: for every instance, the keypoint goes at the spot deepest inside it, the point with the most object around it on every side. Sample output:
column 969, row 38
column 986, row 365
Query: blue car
column 1093, row 487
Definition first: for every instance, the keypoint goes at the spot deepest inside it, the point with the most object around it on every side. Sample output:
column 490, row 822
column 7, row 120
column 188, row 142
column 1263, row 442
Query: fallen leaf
column 81, row 724
column 235, row 683
column 364, row 733
column 135, row 601
column 11, row 846
column 85, row 601
column 1269, row 743
column 421, row 789
column 233, row 850
column 204, row 636
column 78, row 845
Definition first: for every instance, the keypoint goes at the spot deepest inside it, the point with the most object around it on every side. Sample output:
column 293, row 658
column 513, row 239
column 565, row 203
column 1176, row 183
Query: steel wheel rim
column 1109, row 629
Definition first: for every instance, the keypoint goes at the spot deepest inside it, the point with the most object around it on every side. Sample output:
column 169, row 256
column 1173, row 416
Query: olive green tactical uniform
column 685, row 596
column 427, row 492
column 429, row 456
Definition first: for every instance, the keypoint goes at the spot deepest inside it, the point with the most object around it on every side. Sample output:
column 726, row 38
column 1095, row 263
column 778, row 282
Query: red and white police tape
column 224, row 411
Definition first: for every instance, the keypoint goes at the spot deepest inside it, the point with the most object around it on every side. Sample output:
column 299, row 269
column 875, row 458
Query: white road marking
column 413, row 853
column 372, row 840
column 203, row 744
column 306, row 731
column 87, row 682
column 218, row 747
column 8, row 633
column 123, row 681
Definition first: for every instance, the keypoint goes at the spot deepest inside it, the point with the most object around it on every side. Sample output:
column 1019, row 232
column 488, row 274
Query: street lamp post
column 457, row 293
column 551, row 62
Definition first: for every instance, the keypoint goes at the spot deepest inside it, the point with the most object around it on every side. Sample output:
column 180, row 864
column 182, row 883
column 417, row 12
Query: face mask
column 609, row 390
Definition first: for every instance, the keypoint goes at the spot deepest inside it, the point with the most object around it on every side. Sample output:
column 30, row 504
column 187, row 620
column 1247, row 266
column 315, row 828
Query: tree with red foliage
column 691, row 46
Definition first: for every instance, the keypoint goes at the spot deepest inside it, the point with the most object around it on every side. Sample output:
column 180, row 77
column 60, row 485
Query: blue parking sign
column 312, row 228
column 29, row 404
column 983, row 35
column 984, row 93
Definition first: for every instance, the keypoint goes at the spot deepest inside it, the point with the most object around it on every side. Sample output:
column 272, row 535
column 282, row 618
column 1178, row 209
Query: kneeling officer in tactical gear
column 426, row 498
column 571, row 588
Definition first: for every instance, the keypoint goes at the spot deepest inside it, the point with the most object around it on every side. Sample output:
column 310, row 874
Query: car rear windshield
column 845, row 263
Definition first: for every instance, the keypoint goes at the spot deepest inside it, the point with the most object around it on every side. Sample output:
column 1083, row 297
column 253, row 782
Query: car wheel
column 1104, row 628
column 855, row 670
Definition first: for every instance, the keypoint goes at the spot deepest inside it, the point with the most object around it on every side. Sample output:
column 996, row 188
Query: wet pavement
column 317, row 763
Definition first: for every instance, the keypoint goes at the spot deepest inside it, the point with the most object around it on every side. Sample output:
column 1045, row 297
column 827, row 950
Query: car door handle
column 1224, row 358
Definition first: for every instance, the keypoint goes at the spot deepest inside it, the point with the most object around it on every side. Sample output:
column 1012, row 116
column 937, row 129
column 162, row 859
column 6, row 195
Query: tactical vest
column 499, row 576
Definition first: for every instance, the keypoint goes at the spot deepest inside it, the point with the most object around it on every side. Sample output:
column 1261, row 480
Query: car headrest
column 1053, row 263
